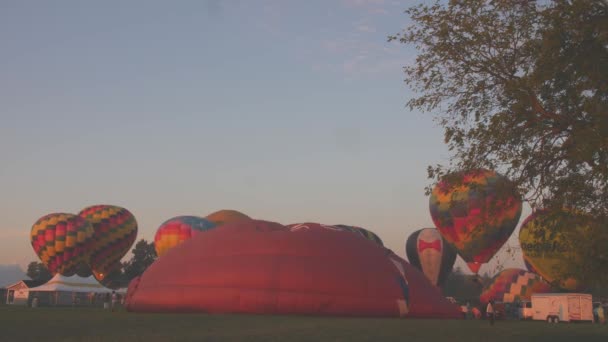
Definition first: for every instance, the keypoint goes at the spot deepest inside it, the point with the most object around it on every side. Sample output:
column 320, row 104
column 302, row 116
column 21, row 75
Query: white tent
column 74, row 290
column 60, row 283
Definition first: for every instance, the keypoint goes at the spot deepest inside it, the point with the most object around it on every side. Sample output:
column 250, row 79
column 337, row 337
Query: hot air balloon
column 511, row 285
column 427, row 251
column 178, row 229
column 475, row 212
column 261, row 267
column 546, row 250
column 115, row 230
column 221, row 217
column 361, row 231
column 60, row 241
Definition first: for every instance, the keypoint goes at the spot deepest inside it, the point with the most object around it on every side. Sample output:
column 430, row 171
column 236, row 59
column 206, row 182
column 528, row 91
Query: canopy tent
column 74, row 290
column 60, row 283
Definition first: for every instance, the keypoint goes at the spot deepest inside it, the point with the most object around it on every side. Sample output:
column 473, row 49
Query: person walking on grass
column 490, row 311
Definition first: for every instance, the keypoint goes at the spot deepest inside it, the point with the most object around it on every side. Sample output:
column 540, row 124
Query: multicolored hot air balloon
column 427, row 251
column 361, row 231
column 512, row 285
column 545, row 250
column 178, row 229
column 223, row 216
column 475, row 212
column 61, row 242
column 115, row 230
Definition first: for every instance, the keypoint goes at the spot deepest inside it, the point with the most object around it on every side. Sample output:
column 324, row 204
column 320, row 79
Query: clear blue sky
column 288, row 111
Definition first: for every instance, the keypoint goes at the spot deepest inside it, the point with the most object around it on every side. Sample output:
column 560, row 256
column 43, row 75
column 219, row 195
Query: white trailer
column 562, row 307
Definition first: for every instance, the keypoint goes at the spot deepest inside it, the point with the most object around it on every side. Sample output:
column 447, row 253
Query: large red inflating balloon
column 262, row 267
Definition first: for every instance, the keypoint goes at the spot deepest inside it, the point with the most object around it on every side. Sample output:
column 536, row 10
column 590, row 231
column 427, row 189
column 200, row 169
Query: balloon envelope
column 475, row 212
column 362, row 232
column 115, row 230
column 177, row 230
column 427, row 251
column 546, row 251
column 61, row 242
column 223, row 216
column 512, row 285
column 263, row 267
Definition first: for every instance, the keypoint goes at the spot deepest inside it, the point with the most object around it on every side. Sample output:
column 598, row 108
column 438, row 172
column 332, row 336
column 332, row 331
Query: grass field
column 78, row 324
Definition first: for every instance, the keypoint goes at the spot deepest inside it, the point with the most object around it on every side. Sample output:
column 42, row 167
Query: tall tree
column 38, row 271
column 144, row 255
column 522, row 88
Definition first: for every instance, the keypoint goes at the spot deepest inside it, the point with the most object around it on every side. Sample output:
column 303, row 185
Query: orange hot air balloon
column 475, row 212
column 221, row 217
column 60, row 241
column 115, row 230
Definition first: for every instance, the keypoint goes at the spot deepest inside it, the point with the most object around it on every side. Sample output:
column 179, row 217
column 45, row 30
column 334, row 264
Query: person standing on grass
column 106, row 301
column 490, row 311
column 114, row 300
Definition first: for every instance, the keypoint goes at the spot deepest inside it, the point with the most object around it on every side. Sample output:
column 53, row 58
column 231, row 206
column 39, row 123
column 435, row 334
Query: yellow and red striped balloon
column 115, row 230
column 61, row 242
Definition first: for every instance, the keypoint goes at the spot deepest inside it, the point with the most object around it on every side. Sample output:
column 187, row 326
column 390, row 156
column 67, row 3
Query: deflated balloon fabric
column 253, row 266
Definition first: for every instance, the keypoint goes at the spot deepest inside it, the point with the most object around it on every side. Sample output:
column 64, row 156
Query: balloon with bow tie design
column 427, row 251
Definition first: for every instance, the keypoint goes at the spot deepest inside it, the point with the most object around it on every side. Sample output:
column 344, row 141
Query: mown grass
column 89, row 324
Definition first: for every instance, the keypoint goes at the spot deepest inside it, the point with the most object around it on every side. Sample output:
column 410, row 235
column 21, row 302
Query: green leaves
column 521, row 87
column 38, row 271
column 144, row 255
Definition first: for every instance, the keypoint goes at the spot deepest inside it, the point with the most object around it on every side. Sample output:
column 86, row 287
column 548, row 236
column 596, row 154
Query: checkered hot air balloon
column 61, row 242
column 177, row 230
column 115, row 230
column 475, row 212
column 512, row 285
